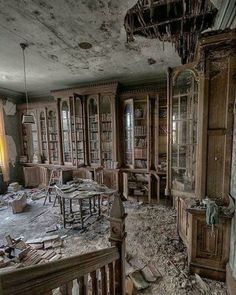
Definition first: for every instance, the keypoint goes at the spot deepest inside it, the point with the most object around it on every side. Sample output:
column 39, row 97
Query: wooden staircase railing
column 100, row 272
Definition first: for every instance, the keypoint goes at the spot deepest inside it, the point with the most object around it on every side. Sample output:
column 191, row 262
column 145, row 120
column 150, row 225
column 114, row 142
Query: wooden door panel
column 215, row 165
column 209, row 241
column 219, row 96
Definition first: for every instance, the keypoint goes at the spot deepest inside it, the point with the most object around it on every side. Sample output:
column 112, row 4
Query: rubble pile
column 17, row 253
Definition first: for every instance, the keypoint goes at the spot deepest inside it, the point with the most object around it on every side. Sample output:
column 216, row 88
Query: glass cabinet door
column 128, row 133
column 43, row 135
column 79, row 131
column 94, row 149
column 184, row 132
column 106, row 131
column 140, row 134
column 34, row 138
column 66, row 141
column 53, row 136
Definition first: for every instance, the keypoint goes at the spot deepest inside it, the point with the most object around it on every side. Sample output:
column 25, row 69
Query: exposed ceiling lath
column 176, row 21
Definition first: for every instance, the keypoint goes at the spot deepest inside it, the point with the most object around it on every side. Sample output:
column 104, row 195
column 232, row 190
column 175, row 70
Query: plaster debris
column 152, row 246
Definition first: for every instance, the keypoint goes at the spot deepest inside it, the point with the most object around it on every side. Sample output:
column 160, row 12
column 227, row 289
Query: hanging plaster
column 9, row 108
column 12, row 153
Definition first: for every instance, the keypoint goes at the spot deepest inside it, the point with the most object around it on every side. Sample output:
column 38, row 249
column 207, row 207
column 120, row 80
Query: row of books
column 44, row 137
column 140, row 130
column 106, row 136
column 140, row 142
column 106, row 117
column 44, row 145
column 79, row 126
column 78, row 120
column 94, row 145
column 94, row 156
column 107, row 155
column 93, row 118
column 140, row 153
column 93, row 127
column 162, row 130
column 53, row 146
column 106, row 126
column 140, row 164
column 52, row 136
column 80, row 136
column 106, row 146
column 42, row 124
column 93, row 136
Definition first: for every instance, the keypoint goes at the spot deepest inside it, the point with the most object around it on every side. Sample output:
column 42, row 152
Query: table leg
column 60, row 202
column 64, row 212
column 70, row 206
column 94, row 204
column 81, row 213
column 99, row 205
column 90, row 206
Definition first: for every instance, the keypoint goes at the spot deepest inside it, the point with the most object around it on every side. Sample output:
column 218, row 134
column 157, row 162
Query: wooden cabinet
column 78, row 128
column 102, row 131
column 208, row 246
column 200, row 150
column 78, row 132
column 137, row 133
column 93, row 131
column 183, row 114
column 43, row 136
column 53, row 136
column 144, row 145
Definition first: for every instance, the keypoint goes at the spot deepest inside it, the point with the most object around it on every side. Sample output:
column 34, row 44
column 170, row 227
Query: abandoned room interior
column 118, row 147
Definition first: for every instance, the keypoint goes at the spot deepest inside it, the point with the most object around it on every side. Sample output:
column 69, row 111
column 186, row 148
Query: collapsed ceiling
column 176, row 21
column 73, row 42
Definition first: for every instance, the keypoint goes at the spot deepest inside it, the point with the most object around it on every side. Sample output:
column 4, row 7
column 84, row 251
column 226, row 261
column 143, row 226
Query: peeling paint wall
column 13, row 140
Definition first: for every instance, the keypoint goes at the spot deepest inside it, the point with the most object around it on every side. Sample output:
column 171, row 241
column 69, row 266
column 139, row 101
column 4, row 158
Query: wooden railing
column 100, row 272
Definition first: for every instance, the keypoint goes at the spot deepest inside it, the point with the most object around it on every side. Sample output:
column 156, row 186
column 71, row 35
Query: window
column 4, row 160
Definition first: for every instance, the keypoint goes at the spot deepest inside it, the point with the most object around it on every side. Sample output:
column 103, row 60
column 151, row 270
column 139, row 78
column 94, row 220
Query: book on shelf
column 142, row 164
column 93, row 136
column 163, row 130
column 107, row 126
column 140, row 130
column 93, row 118
column 140, row 142
column 140, row 153
column 106, row 117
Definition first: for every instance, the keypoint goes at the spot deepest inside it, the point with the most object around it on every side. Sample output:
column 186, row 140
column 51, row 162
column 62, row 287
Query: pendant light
column 27, row 118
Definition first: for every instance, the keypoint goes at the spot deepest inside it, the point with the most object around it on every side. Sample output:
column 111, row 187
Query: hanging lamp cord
column 23, row 46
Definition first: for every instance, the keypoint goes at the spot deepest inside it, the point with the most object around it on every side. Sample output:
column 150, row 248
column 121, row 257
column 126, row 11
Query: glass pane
column 44, row 143
column 78, row 136
column 184, row 132
column 53, row 138
column 35, row 142
column 93, row 130
column 106, row 131
column 140, row 133
column 65, row 113
column 128, row 132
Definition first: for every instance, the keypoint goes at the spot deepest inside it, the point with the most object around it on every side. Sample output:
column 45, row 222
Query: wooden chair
column 55, row 179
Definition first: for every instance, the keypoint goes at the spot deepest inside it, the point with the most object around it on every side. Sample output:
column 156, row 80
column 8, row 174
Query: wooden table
column 93, row 197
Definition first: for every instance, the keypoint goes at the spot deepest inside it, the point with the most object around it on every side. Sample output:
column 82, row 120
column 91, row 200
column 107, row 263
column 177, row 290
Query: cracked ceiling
column 58, row 33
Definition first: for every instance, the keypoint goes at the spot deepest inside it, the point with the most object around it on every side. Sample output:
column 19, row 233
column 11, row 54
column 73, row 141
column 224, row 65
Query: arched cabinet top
column 177, row 72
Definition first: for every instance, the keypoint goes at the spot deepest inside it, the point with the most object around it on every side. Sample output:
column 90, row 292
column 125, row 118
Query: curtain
column 4, row 160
